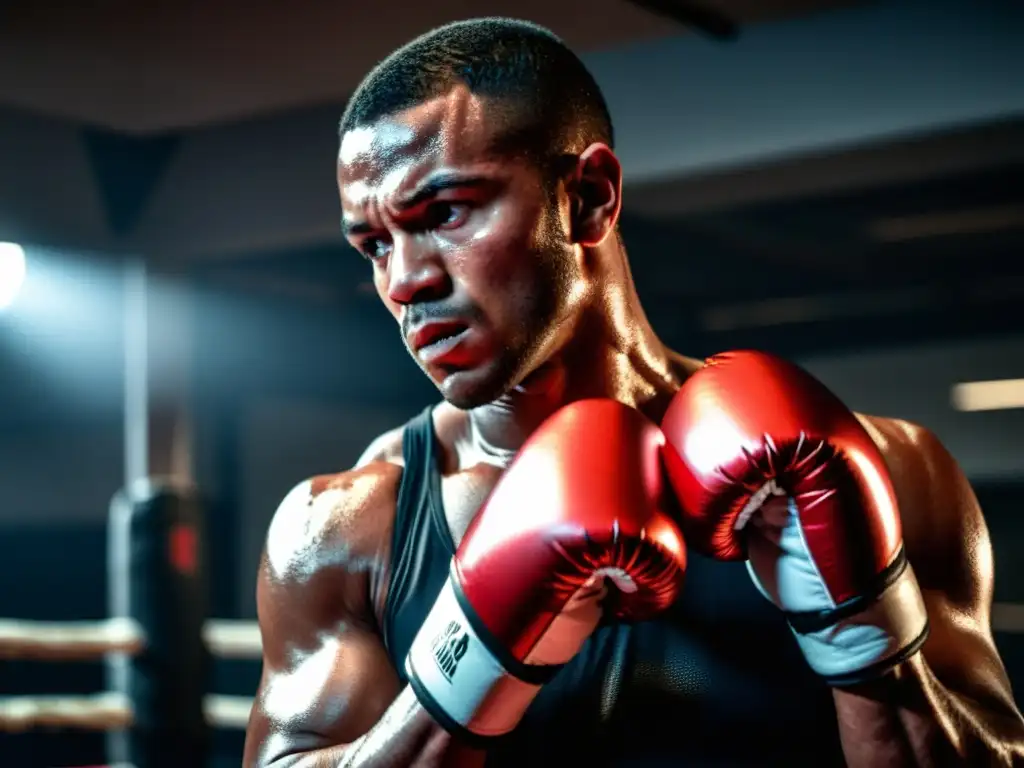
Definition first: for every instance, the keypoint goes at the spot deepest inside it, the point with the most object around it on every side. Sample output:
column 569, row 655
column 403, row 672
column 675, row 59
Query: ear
column 596, row 195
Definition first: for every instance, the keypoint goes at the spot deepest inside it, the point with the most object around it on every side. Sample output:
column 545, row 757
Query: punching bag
column 157, row 573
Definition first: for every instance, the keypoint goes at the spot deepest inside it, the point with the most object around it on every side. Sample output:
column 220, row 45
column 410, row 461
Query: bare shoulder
column 338, row 522
column 922, row 468
column 943, row 525
column 339, row 516
column 908, row 448
column 386, row 447
column 326, row 555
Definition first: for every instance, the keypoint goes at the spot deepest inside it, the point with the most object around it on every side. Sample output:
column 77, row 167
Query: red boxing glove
column 770, row 466
column 584, row 498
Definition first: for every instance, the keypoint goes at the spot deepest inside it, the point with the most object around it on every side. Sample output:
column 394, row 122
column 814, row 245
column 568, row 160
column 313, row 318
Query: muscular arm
column 950, row 704
column 329, row 695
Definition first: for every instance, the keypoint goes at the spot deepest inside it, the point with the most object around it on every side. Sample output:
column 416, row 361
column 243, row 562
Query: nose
column 416, row 271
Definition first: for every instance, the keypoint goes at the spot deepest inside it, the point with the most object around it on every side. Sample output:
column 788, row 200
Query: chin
column 469, row 395
column 475, row 387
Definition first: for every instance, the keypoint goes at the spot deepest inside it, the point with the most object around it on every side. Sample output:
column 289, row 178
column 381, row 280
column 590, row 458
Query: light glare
column 997, row 395
column 12, row 273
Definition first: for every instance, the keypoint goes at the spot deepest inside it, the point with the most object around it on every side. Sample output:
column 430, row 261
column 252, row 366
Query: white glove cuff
column 868, row 644
column 458, row 679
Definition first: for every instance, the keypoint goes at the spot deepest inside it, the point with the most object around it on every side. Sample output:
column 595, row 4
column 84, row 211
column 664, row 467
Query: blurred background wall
column 840, row 183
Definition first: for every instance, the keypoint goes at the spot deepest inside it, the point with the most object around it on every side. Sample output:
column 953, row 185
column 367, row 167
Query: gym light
column 997, row 395
column 12, row 273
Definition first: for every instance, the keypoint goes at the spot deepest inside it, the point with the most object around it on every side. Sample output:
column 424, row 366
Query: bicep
column 325, row 682
column 326, row 676
column 961, row 653
column 949, row 547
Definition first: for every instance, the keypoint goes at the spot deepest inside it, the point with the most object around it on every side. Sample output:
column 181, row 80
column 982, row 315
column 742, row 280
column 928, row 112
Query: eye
column 446, row 215
column 373, row 248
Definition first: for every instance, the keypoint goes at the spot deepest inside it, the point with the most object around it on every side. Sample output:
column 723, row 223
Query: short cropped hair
column 553, row 100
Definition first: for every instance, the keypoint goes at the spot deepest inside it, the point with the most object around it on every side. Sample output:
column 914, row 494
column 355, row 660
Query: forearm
column 910, row 718
column 405, row 736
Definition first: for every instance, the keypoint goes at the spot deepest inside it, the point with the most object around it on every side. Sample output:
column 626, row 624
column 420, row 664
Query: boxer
column 501, row 579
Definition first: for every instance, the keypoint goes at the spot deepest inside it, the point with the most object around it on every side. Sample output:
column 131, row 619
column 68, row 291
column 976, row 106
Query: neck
column 612, row 352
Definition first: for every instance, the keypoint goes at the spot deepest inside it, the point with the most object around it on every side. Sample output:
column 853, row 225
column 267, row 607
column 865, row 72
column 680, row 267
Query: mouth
column 435, row 340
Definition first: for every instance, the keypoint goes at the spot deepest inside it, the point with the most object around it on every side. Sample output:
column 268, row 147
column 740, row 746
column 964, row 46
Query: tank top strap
column 421, row 543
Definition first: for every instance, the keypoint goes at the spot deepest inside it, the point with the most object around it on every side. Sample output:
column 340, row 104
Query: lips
column 435, row 335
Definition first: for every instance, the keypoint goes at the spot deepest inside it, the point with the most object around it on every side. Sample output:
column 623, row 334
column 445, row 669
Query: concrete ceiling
column 143, row 67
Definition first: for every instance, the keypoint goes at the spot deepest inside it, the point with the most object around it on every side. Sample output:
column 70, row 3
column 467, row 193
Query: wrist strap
column 867, row 644
column 457, row 678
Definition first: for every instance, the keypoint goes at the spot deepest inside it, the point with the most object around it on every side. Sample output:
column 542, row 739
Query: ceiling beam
column 695, row 16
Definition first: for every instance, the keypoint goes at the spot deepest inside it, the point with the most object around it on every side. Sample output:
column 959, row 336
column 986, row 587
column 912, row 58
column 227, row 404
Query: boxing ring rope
column 76, row 641
column 226, row 639
column 89, row 640
column 105, row 712
column 68, row 641
column 86, row 640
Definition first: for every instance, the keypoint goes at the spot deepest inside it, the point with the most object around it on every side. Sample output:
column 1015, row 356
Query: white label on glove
column 462, row 676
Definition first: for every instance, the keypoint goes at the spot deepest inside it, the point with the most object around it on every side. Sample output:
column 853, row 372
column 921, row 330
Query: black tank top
column 717, row 681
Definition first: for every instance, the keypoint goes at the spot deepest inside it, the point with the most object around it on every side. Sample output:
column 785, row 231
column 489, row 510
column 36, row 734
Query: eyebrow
column 433, row 186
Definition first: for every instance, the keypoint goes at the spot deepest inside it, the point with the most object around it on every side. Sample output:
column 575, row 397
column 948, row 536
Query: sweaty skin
column 543, row 296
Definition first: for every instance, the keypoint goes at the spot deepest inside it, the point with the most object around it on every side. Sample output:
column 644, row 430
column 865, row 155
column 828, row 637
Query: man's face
column 470, row 253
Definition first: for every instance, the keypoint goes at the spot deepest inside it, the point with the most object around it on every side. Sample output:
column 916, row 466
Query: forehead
column 395, row 152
